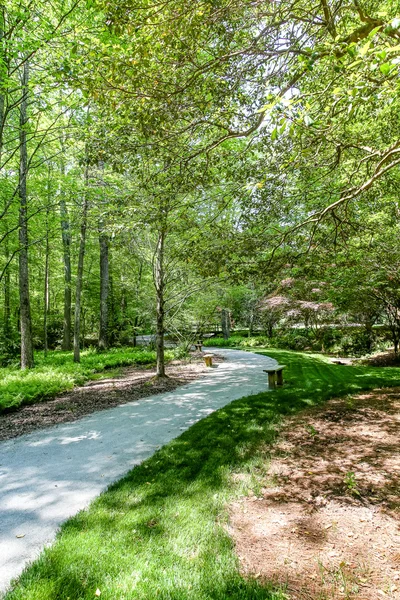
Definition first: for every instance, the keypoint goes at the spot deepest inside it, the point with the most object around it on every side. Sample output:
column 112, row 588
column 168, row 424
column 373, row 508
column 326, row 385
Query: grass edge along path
column 158, row 532
column 57, row 373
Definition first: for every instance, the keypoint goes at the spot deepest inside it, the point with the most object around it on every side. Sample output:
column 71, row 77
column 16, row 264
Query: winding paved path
column 49, row 475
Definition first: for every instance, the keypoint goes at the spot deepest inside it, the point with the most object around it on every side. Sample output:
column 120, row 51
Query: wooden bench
column 208, row 359
column 275, row 375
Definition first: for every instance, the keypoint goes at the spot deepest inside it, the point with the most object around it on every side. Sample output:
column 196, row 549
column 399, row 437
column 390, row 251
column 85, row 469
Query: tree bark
column 225, row 323
column 104, row 287
column 24, row 297
column 136, row 319
column 159, row 280
column 3, row 77
column 7, row 289
column 46, row 277
column 79, row 278
column 66, row 242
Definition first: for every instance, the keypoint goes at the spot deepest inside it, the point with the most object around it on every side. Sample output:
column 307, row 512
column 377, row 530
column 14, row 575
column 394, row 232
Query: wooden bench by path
column 208, row 359
column 275, row 375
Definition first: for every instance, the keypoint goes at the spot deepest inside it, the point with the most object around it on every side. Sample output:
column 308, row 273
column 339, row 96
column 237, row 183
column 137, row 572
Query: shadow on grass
column 157, row 533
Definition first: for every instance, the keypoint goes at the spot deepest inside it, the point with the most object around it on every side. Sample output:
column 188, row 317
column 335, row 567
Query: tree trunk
column 225, row 323
column 7, row 290
column 159, row 280
column 251, row 323
column 370, row 334
column 66, row 243
column 3, row 77
column 113, row 322
column 136, row 320
column 79, row 278
column 24, row 297
column 104, row 287
column 46, row 281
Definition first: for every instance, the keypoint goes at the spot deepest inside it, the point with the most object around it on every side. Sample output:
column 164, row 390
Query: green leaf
column 385, row 68
column 393, row 49
column 374, row 31
column 365, row 48
column 353, row 64
column 274, row 134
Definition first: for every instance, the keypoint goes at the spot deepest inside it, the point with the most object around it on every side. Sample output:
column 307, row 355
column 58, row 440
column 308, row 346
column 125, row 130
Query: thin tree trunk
column 136, row 319
column 66, row 242
column 3, row 77
column 225, row 323
column 7, row 289
column 7, row 286
column 24, row 297
column 46, row 279
column 251, row 322
column 159, row 281
column 104, row 287
column 79, row 278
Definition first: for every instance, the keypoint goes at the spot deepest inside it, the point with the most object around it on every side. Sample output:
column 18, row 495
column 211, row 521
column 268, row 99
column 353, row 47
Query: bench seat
column 275, row 375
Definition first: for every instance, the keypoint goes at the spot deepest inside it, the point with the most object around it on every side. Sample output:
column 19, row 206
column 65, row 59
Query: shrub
column 254, row 342
column 182, row 350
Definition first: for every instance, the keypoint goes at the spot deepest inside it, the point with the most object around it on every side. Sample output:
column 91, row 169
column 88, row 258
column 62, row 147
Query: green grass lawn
column 158, row 533
column 57, row 373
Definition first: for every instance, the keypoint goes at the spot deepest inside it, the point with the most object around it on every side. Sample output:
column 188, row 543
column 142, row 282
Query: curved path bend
column 49, row 475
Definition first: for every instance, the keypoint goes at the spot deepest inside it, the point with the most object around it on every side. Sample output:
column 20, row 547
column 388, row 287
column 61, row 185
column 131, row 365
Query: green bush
column 255, row 342
column 220, row 342
column 293, row 339
column 182, row 350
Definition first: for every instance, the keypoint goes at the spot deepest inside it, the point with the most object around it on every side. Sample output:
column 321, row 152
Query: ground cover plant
column 57, row 372
column 159, row 532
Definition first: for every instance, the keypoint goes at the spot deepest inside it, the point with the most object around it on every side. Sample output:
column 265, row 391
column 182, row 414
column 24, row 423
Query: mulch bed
column 133, row 383
column 383, row 359
column 326, row 525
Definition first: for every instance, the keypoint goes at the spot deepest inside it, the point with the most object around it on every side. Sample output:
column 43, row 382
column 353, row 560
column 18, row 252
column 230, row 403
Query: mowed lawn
column 58, row 373
column 160, row 532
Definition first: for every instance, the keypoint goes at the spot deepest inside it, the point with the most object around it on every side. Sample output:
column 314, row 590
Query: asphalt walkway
column 49, row 475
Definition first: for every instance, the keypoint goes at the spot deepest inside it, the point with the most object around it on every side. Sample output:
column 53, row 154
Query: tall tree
column 79, row 276
column 25, row 307
column 104, row 286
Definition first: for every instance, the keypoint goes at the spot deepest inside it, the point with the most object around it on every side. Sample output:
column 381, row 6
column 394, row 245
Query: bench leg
column 271, row 380
column 279, row 378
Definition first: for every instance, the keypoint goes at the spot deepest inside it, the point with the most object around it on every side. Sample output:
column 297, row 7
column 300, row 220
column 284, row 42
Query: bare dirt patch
column 132, row 384
column 326, row 525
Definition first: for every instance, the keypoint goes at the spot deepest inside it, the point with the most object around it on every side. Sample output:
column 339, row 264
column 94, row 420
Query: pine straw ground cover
column 161, row 532
column 326, row 519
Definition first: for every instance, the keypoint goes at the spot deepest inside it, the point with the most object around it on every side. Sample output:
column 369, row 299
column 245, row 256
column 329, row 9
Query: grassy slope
column 157, row 533
column 57, row 373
